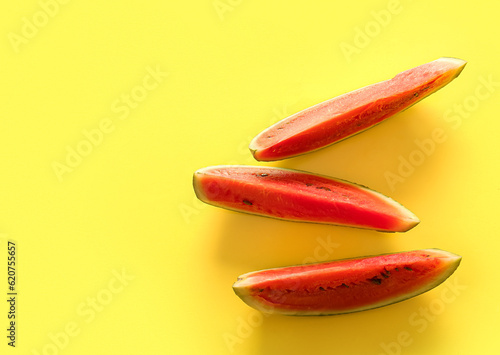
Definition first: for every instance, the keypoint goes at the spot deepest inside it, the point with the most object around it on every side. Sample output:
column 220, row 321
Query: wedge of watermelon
column 344, row 116
column 300, row 196
column 346, row 286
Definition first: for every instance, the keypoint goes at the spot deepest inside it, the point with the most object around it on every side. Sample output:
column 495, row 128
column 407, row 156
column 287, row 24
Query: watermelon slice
column 300, row 196
column 346, row 286
column 344, row 116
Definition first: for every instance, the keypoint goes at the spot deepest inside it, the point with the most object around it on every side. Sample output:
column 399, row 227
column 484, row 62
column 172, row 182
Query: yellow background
column 116, row 255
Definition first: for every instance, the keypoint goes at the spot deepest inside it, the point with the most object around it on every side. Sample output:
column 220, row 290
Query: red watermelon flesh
column 346, row 286
column 344, row 116
column 300, row 196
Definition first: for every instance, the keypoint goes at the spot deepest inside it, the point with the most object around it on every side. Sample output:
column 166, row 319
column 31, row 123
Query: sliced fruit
column 344, row 116
column 346, row 286
column 300, row 196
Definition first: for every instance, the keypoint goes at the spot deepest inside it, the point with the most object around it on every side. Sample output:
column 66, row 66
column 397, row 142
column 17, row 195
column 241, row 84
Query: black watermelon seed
column 246, row 202
column 323, row 188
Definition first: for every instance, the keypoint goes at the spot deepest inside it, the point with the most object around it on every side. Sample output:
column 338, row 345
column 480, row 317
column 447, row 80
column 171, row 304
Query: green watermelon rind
column 409, row 221
column 256, row 149
column 242, row 290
